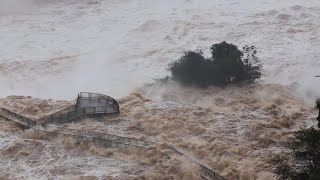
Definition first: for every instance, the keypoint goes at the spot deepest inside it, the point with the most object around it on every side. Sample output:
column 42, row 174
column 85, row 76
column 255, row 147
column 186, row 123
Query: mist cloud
column 15, row 6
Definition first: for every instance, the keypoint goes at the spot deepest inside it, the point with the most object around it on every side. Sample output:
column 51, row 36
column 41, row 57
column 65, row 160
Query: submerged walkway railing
column 108, row 141
column 17, row 117
column 86, row 105
column 204, row 171
column 94, row 104
column 99, row 135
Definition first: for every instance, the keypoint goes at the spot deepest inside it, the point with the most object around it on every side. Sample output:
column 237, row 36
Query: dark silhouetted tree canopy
column 227, row 65
column 303, row 162
column 318, row 108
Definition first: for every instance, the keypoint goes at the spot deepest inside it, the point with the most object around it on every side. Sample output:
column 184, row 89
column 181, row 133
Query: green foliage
column 318, row 107
column 303, row 162
column 227, row 65
column 318, row 104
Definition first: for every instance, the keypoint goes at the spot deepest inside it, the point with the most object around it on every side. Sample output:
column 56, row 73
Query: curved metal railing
column 97, row 96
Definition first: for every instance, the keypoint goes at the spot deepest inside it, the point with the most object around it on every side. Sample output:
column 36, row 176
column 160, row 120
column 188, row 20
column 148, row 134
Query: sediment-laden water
column 53, row 49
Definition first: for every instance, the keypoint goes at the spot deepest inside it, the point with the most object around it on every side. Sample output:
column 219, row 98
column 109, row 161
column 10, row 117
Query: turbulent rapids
column 95, row 104
column 57, row 48
column 202, row 126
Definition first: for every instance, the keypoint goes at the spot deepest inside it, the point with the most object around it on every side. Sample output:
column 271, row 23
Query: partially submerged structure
column 86, row 104
column 94, row 104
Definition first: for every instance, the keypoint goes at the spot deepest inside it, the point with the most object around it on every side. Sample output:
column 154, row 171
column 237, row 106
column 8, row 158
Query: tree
column 318, row 107
column 227, row 65
column 303, row 161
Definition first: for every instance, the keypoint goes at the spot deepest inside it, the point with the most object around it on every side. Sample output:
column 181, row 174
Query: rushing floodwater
column 115, row 46
column 56, row 48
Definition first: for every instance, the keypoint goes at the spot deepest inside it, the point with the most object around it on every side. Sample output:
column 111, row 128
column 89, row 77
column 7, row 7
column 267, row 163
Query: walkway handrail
column 107, row 136
column 204, row 169
column 57, row 114
column 133, row 142
column 70, row 113
column 22, row 118
column 97, row 96
column 95, row 139
column 61, row 116
column 75, row 111
column 117, row 140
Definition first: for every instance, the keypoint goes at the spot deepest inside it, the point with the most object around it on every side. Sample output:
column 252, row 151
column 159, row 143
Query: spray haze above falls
column 124, row 44
column 53, row 49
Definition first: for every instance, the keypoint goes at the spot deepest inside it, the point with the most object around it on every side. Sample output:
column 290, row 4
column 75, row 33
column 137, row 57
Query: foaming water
column 234, row 129
column 113, row 47
column 43, row 155
column 33, row 108
column 32, row 158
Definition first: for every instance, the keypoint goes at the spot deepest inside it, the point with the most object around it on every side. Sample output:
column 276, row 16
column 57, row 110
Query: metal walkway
column 95, row 104
column 87, row 104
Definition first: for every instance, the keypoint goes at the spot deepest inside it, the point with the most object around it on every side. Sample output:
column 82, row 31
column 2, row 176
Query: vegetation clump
column 303, row 159
column 318, row 108
column 226, row 65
